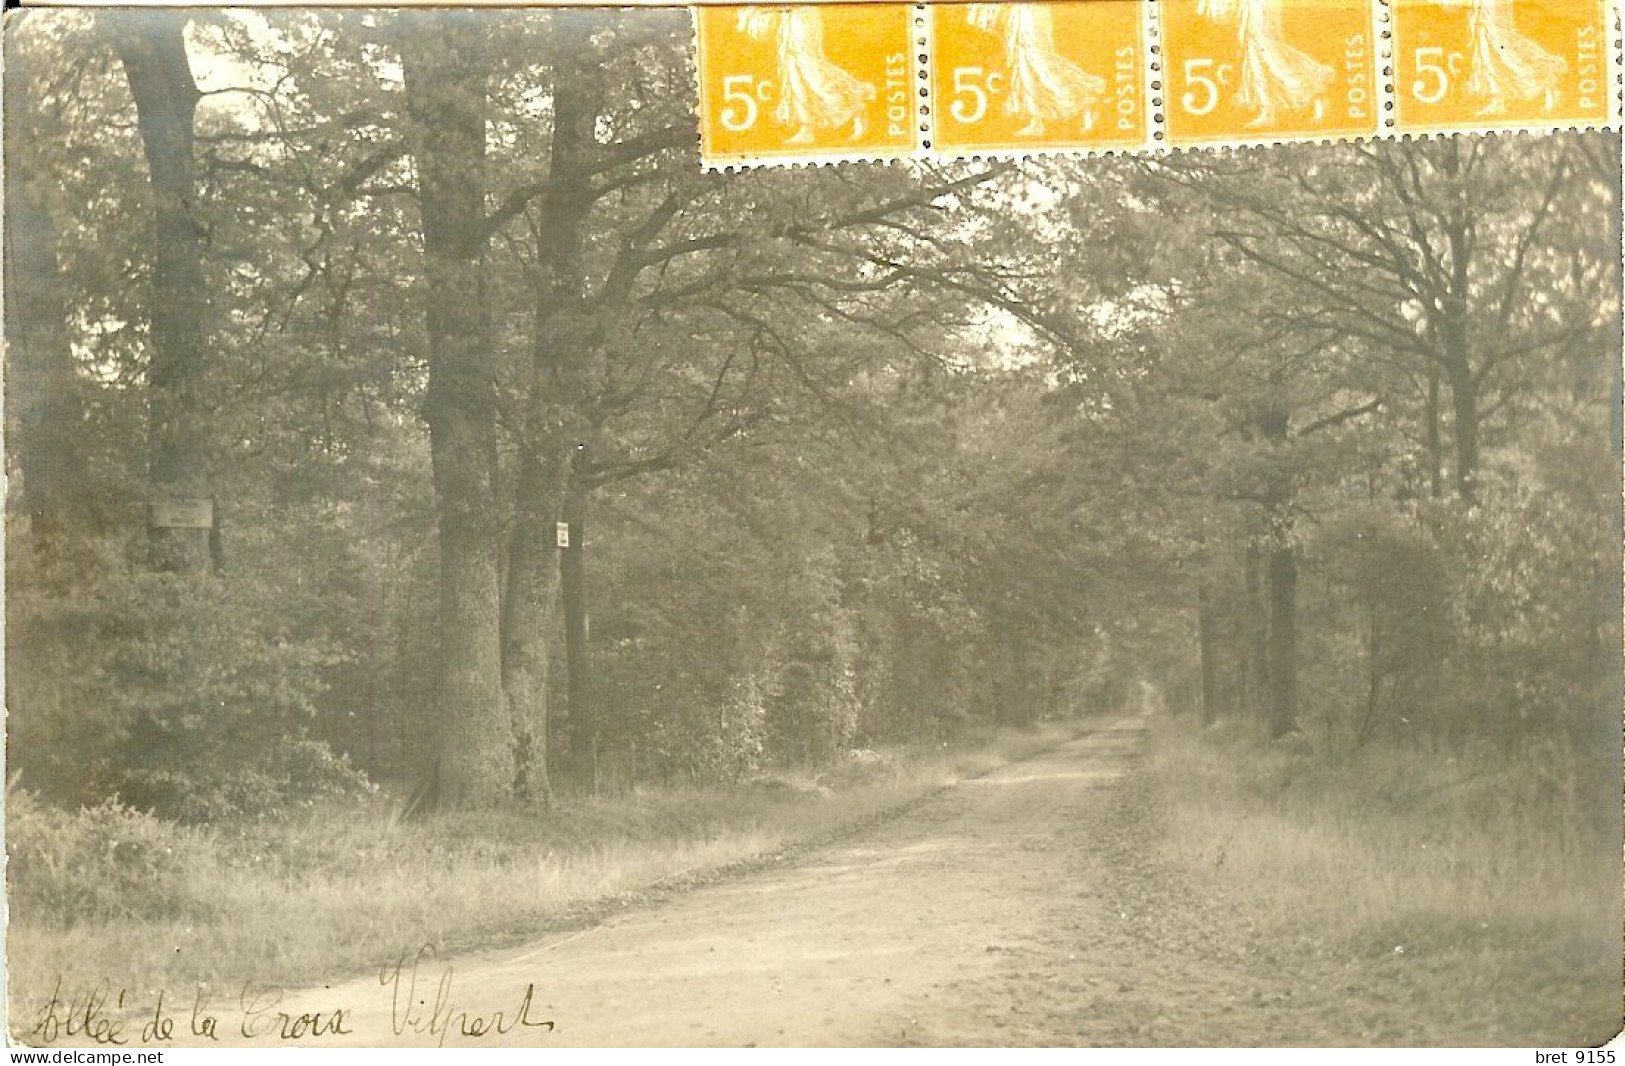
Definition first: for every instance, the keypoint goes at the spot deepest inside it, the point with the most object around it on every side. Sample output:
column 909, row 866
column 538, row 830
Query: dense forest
column 394, row 404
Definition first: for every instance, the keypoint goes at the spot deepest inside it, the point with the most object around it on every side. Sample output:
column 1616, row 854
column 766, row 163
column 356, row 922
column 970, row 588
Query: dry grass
column 339, row 891
column 1497, row 879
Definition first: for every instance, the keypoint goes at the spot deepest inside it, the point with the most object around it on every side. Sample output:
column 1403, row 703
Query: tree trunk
column 1256, row 634
column 42, row 390
column 152, row 48
column 1281, row 578
column 1283, row 638
column 444, row 74
column 1373, row 678
column 1435, row 446
column 583, row 733
column 1464, row 404
column 548, row 452
column 1207, row 627
column 527, row 616
column 1457, row 356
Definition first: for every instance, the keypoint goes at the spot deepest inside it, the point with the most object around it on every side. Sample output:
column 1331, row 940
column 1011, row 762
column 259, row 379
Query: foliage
column 865, row 455
column 194, row 707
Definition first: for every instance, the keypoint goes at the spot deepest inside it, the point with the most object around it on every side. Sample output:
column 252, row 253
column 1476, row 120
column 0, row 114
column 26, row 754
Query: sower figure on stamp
column 1275, row 76
column 814, row 94
column 1045, row 86
column 1504, row 64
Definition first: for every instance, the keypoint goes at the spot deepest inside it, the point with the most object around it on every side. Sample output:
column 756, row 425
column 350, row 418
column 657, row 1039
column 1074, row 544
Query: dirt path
column 894, row 937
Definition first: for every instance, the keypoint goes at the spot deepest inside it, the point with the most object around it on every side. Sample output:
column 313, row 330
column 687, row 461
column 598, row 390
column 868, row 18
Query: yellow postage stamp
column 1251, row 71
column 824, row 81
column 1501, row 64
column 1034, row 76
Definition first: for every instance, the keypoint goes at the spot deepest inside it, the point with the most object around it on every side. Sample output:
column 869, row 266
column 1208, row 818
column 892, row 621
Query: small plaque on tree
column 182, row 514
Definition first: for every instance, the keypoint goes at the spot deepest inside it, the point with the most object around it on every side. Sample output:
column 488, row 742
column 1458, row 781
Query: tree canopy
column 1321, row 437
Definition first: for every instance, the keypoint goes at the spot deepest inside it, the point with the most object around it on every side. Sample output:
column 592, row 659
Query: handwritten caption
column 421, row 999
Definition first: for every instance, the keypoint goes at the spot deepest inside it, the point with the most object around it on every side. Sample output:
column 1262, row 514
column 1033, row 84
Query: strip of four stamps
column 829, row 81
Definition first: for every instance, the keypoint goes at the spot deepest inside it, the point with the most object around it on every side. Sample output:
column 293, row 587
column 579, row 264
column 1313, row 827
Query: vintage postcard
column 487, row 563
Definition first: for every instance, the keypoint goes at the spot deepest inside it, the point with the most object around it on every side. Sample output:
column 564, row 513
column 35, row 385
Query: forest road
column 894, row 936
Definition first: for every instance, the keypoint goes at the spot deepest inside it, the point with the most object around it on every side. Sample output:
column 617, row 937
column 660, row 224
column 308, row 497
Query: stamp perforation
column 1156, row 81
column 1382, row 30
column 921, row 20
column 1615, row 19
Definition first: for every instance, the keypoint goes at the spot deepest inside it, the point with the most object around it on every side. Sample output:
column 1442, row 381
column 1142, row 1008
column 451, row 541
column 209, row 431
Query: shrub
column 191, row 698
column 99, row 863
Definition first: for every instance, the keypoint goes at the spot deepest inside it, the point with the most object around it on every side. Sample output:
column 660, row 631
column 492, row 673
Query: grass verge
column 1475, row 892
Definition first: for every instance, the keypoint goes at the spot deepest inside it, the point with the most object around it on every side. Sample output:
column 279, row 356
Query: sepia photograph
column 476, row 576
